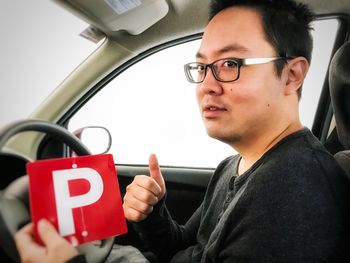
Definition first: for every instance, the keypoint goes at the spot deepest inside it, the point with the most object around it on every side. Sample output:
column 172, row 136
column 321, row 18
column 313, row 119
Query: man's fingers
column 140, row 197
column 27, row 246
column 144, row 196
column 54, row 249
column 141, row 206
column 58, row 248
column 25, row 232
column 156, row 174
column 144, row 184
column 24, row 236
column 138, row 202
column 133, row 215
column 48, row 233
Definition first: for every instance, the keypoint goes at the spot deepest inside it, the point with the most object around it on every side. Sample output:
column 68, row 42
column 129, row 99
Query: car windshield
column 38, row 58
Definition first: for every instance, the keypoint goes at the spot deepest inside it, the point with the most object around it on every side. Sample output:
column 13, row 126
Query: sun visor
column 133, row 16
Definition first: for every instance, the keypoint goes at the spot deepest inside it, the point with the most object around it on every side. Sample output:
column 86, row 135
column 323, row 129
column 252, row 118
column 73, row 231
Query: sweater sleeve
column 164, row 236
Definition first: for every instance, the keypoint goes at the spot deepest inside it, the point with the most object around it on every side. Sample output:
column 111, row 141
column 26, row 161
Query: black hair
column 286, row 23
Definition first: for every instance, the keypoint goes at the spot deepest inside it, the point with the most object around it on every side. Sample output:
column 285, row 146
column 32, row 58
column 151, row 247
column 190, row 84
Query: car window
column 151, row 108
column 324, row 34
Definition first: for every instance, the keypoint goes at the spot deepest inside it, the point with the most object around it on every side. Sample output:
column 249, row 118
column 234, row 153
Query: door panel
column 185, row 191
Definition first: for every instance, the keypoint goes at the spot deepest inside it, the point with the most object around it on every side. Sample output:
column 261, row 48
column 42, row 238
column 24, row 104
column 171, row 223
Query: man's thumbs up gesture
column 144, row 193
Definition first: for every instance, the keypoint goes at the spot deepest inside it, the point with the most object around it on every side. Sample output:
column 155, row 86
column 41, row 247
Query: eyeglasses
column 224, row 70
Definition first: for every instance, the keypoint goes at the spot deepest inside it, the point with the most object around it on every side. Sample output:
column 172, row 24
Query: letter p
column 65, row 203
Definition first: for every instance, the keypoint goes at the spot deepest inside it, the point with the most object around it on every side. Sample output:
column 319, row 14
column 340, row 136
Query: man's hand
column 144, row 193
column 55, row 248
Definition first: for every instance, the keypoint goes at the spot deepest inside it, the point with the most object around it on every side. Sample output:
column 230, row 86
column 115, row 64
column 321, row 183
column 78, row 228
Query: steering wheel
column 14, row 208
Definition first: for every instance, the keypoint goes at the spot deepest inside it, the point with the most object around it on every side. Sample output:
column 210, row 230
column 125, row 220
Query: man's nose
column 210, row 84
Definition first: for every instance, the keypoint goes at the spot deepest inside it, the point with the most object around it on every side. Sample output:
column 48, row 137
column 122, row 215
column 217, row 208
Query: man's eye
column 229, row 64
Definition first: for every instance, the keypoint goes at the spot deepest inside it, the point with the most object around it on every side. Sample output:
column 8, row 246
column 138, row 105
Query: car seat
column 339, row 85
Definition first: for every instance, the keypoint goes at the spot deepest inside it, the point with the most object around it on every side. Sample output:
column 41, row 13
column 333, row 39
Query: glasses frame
column 239, row 61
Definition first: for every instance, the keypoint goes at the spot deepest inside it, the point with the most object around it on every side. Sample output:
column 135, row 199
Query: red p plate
column 79, row 195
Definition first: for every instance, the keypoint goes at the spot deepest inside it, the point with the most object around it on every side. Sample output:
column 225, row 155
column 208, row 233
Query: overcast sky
column 38, row 48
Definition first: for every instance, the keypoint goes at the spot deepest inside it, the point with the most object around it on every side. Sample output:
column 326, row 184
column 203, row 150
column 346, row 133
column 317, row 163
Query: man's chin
column 228, row 138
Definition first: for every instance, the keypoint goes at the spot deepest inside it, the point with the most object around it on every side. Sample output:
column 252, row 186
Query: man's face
column 241, row 110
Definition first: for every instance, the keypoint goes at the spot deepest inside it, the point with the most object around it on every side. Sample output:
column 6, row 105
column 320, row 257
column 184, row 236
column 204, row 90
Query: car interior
column 339, row 91
column 128, row 34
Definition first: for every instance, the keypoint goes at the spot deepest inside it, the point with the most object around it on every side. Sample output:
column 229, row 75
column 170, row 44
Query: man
column 274, row 201
column 283, row 197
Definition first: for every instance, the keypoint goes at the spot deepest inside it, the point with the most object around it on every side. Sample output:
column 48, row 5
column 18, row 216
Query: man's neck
column 253, row 151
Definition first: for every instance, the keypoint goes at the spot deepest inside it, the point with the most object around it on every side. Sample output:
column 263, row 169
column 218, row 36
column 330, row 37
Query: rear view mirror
column 96, row 138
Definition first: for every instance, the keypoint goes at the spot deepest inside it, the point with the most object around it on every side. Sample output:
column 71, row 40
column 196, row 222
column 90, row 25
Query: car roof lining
column 189, row 17
column 150, row 13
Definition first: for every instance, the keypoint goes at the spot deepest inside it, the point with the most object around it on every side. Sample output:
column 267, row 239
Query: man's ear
column 296, row 72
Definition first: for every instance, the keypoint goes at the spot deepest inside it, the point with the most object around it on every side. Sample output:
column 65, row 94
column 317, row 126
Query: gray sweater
column 292, row 205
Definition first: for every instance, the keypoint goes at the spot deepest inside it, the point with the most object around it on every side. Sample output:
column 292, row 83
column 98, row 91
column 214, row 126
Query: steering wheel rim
column 14, row 212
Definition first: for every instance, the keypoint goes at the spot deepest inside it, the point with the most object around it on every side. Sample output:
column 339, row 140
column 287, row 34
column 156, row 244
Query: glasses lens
column 226, row 69
column 195, row 72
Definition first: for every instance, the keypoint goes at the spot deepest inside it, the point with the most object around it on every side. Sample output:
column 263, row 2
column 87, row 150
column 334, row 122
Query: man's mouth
column 212, row 111
column 213, row 108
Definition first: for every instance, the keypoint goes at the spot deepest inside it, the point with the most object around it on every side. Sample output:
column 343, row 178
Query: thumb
column 156, row 174
column 47, row 232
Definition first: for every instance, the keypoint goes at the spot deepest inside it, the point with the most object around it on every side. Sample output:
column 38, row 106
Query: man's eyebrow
column 225, row 49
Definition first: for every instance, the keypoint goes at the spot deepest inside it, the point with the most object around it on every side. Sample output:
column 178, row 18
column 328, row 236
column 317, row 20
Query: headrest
column 339, row 85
